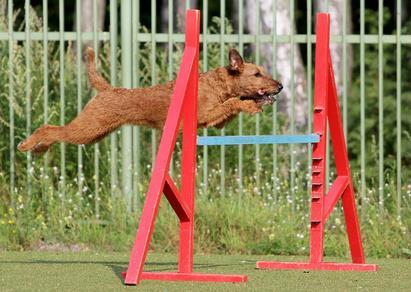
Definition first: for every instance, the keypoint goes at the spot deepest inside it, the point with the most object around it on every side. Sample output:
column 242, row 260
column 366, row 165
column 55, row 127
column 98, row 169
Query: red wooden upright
column 326, row 107
column 183, row 107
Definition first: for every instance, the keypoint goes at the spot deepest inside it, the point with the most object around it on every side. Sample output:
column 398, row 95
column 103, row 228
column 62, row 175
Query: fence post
column 126, row 132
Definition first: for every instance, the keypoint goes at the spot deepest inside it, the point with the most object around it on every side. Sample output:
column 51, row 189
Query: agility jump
column 183, row 108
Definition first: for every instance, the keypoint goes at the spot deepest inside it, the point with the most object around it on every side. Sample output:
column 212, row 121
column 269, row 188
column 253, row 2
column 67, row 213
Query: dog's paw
column 24, row 146
column 40, row 148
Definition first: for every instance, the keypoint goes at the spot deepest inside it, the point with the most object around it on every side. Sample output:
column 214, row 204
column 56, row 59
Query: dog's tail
column 96, row 80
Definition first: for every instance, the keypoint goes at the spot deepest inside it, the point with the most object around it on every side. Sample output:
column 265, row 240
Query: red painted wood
column 155, row 189
column 194, row 277
column 320, row 128
column 334, row 194
column 197, row 277
column 183, row 107
column 175, row 200
column 336, row 127
column 326, row 107
column 343, row 168
column 352, row 225
column 323, row 266
column 189, row 146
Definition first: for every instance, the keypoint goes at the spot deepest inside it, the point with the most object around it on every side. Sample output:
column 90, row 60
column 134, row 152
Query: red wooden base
column 317, row 266
column 194, row 277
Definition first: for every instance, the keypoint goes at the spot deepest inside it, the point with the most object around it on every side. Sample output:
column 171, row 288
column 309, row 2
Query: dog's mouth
column 262, row 97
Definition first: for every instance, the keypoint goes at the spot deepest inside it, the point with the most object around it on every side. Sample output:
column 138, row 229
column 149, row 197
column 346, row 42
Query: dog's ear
column 236, row 62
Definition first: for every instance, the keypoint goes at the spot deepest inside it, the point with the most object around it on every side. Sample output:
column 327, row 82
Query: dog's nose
column 280, row 87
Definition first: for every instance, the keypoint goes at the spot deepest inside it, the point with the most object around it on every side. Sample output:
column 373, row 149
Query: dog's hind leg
column 90, row 126
column 73, row 133
column 41, row 139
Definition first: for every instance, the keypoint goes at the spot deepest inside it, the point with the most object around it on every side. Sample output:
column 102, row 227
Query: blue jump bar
column 262, row 139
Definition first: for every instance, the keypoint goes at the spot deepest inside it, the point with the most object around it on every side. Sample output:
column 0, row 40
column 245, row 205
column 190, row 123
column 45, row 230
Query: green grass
column 86, row 271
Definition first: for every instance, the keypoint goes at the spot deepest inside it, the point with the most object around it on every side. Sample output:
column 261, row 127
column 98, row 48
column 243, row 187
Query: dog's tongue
column 261, row 92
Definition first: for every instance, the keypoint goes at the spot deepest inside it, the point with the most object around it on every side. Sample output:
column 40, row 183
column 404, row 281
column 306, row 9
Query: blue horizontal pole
column 261, row 139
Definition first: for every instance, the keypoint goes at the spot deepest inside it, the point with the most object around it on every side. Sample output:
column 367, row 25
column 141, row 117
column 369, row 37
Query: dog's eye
column 258, row 74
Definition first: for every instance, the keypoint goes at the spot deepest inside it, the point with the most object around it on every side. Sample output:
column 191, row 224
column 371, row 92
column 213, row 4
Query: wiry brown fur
column 112, row 107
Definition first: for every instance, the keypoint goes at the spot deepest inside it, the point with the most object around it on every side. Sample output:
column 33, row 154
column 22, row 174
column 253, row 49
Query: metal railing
column 132, row 166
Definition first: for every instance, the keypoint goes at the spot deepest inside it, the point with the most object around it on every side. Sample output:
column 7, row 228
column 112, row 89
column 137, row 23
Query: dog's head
column 252, row 81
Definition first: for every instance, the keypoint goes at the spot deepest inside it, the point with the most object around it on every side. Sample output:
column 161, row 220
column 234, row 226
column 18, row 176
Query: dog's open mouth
column 262, row 97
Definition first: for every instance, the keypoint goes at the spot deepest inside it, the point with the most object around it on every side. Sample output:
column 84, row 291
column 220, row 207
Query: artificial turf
column 91, row 271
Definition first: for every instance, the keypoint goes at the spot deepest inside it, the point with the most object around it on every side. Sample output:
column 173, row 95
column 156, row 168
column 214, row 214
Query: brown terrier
column 222, row 94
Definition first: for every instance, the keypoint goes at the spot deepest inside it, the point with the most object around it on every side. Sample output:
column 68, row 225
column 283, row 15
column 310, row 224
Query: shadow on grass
column 120, row 266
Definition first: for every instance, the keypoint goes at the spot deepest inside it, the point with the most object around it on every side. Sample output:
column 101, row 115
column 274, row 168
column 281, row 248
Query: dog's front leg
column 229, row 109
column 249, row 106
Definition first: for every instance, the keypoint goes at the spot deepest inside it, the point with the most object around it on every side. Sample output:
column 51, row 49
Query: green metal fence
column 126, row 154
